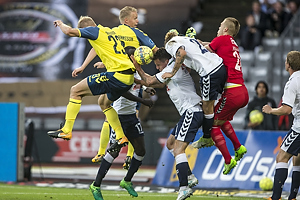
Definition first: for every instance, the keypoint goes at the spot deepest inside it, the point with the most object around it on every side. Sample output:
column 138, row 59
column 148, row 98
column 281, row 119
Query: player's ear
column 125, row 20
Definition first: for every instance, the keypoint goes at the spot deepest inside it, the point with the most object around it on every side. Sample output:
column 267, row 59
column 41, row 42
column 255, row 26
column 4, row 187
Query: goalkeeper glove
column 190, row 32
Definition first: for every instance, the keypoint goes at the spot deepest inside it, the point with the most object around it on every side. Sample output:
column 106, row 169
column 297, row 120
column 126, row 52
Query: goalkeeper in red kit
column 234, row 97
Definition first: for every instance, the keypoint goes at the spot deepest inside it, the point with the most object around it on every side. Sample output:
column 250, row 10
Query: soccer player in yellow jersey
column 109, row 85
column 128, row 32
column 129, row 35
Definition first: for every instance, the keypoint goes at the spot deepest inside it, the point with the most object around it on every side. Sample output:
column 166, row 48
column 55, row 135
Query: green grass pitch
column 24, row 192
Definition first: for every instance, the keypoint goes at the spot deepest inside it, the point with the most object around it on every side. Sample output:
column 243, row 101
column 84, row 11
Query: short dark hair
column 161, row 54
column 129, row 50
column 264, row 83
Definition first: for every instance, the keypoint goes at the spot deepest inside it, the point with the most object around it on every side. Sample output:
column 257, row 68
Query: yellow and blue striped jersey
column 108, row 47
column 133, row 37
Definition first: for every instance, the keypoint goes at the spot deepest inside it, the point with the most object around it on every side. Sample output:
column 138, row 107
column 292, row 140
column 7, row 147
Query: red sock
column 220, row 143
column 230, row 133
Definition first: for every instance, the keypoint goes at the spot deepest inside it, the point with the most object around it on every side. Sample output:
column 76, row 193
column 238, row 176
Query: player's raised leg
column 206, row 140
column 220, row 143
column 77, row 92
column 112, row 118
column 211, row 86
column 240, row 150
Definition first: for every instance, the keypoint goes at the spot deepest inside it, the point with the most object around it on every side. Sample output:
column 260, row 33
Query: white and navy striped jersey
column 180, row 88
column 291, row 97
column 197, row 57
column 124, row 106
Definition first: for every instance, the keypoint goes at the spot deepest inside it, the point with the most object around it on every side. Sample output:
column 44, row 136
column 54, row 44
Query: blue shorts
column 213, row 84
column 188, row 125
column 131, row 126
column 291, row 143
column 106, row 83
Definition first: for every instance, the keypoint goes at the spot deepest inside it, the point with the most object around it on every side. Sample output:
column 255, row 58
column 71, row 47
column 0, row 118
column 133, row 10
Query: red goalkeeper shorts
column 230, row 102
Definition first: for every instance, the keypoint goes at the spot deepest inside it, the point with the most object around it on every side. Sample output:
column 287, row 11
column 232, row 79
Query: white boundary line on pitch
column 113, row 195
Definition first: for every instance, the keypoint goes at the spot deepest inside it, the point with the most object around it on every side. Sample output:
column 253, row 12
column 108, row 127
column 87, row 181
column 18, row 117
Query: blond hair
column 233, row 26
column 293, row 59
column 85, row 21
column 169, row 36
column 126, row 12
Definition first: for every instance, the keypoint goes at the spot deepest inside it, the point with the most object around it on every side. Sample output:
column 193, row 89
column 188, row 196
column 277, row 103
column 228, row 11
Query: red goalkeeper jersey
column 228, row 50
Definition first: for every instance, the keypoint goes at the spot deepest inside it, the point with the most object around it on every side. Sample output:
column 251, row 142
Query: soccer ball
column 266, row 184
column 143, row 55
column 256, row 116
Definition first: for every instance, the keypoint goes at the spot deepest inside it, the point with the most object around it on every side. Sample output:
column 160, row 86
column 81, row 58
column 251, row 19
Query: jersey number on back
column 115, row 39
column 238, row 66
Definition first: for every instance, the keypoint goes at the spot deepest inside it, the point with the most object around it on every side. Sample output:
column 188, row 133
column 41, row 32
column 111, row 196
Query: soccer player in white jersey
column 291, row 144
column 190, row 52
column 126, row 110
column 131, row 125
column 182, row 92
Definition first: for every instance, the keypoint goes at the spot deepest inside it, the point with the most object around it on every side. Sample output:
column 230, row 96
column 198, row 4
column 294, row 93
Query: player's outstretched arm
column 282, row 110
column 131, row 97
column 208, row 48
column 180, row 56
column 144, row 84
column 92, row 54
column 203, row 43
column 154, row 85
column 147, row 80
column 72, row 32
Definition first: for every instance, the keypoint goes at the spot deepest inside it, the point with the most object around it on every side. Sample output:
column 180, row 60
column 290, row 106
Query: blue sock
column 279, row 179
column 103, row 169
column 182, row 167
column 135, row 164
column 295, row 184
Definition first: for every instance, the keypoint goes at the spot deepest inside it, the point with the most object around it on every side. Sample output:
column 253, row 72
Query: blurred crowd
column 267, row 18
